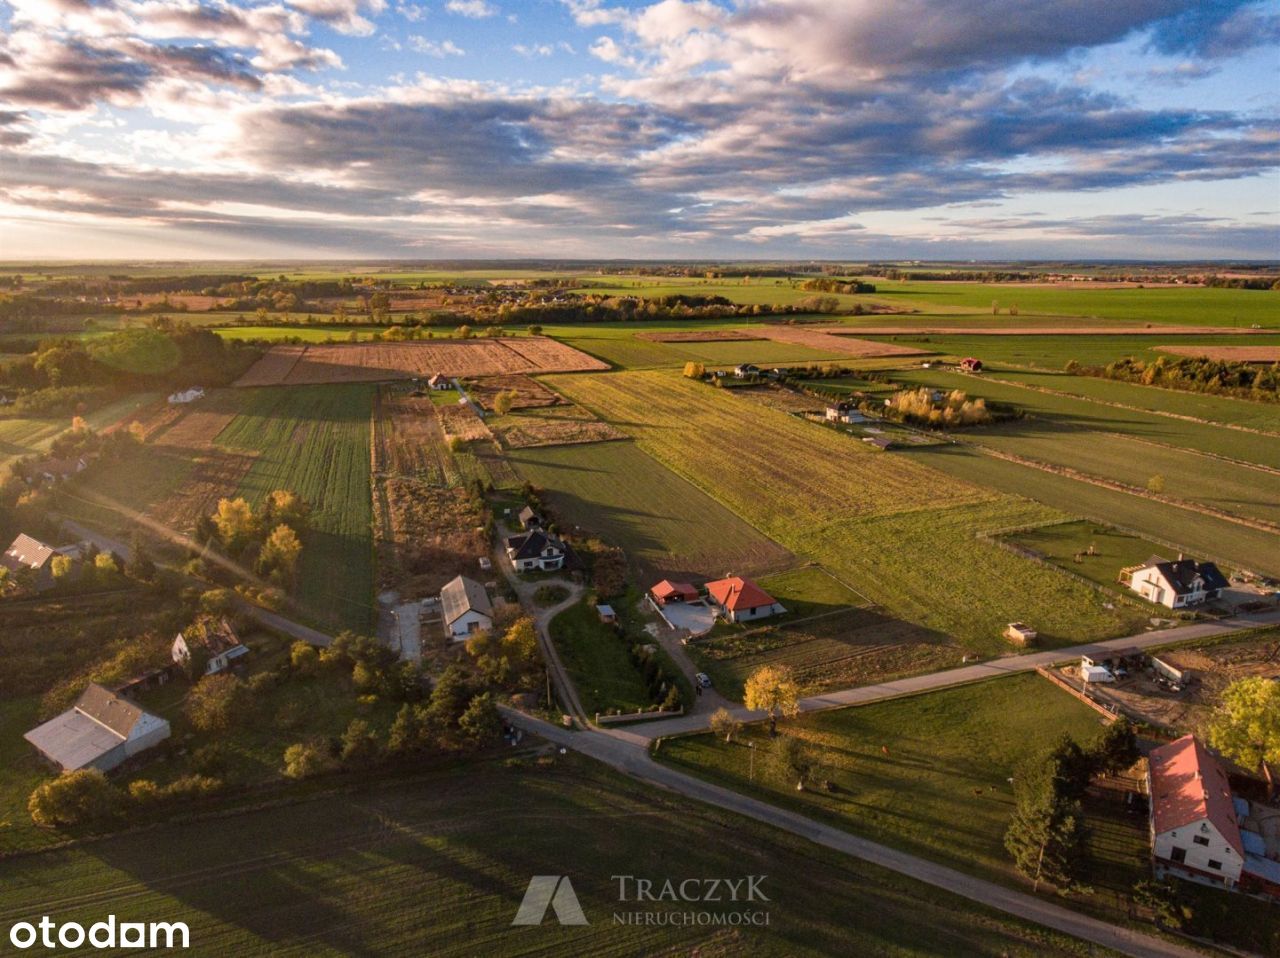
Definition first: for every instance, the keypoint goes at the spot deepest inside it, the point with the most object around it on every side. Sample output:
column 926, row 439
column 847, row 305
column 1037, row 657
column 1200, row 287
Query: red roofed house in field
column 971, row 365
column 741, row 599
column 1194, row 830
column 668, row 591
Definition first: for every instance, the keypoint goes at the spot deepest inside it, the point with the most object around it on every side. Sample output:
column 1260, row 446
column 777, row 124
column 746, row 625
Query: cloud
column 475, row 9
column 343, row 15
column 435, row 48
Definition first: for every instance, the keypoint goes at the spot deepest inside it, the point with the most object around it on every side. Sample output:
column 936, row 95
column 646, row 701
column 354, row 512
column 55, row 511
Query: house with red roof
column 1195, row 833
column 741, row 600
column 667, row 591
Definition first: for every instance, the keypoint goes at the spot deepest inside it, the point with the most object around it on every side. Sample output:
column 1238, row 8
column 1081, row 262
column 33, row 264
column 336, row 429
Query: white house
column 216, row 638
column 535, row 551
column 741, row 599
column 746, row 371
column 186, row 396
column 100, row 731
column 467, row 608
column 1176, row 584
column 440, row 382
column 845, row 412
column 1194, row 830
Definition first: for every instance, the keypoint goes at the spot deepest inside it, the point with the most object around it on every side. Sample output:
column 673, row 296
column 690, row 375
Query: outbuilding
column 466, row 608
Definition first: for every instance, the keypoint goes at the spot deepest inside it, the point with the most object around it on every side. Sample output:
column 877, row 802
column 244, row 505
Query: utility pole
column 751, row 774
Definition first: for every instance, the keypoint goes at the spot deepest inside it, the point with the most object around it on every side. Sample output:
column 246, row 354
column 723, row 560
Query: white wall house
column 216, row 638
column 467, row 609
column 1194, row 830
column 535, row 551
column 100, row 731
column 1177, row 585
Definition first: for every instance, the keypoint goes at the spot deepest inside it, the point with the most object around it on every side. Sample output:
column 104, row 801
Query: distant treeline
column 1194, row 374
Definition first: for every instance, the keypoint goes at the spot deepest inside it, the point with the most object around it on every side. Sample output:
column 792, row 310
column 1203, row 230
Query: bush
column 307, row 759
column 84, row 797
column 217, row 702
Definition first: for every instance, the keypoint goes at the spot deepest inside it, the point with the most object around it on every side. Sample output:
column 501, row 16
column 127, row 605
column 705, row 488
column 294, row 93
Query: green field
column 1206, row 437
column 597, row 661
column 439, row 864
column 24, row 437
column 899, row 532
column 1187, row 530
column 667, row 526
column 942, row 790
column 1181, row 305
column 1053, row 352
column 315, row 441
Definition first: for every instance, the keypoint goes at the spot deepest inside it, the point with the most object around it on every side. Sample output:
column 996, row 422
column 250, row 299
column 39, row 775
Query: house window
column 1217, row 866
column 1200, row 840
column 1178, row 854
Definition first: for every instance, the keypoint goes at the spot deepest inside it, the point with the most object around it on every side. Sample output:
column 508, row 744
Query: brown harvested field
column 553, row 426
column 702, row 336
column 821, row 338
column 218, row 473
column 775, row 397
column 529, row 393
column 1237, row 354
column 462, row 422
column 374, row 362
column 1152, row 330
column 408, row 440
column 273, row 368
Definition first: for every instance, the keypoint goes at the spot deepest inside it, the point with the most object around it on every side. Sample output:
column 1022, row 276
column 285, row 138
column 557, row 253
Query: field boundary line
column 1195, row 452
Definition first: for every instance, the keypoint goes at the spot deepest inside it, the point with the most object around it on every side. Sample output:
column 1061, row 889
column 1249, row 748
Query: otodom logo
column 555, row 891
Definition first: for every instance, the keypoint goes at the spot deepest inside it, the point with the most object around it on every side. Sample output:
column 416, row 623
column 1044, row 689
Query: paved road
column 632, row 758
column 1009, row 665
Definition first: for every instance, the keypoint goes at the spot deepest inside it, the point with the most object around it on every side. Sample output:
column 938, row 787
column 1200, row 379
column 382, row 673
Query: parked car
column 703, row 680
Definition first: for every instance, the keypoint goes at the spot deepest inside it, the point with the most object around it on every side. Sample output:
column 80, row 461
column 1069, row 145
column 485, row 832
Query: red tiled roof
column 737, row 593
column 667, row 589
column 1187, row 785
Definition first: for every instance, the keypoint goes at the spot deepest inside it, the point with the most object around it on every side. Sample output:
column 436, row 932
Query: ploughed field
column 294, row 365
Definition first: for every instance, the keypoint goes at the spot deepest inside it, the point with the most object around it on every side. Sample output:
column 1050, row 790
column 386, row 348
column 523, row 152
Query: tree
column 1116, row 748
column 410, row 731
column 535, row 330
column 1046, row 841
column 503, row 401
column 1155, row 485
column 724, row 723
column 234, row 521
column 279, row 555
column 793, row 760
column 360, row 746
column 695, row 370
column 216, row 702
column 61, row 568
column 306, row 759
column 1246, row 725
column 449, row 698
column 480, row 722
column 83, row 797
column 303, row 658
column 140, row 566
column 772, row 689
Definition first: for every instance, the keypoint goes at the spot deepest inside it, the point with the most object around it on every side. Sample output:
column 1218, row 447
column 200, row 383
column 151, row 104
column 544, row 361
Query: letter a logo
column 556, row 891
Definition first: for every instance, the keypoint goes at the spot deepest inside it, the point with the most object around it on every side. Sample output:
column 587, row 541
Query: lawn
column 899, row 532
column 315, row 440
column 1096, row 552
column 598, row 662
column 667, row 526
column 927, row 774
column 440, row 863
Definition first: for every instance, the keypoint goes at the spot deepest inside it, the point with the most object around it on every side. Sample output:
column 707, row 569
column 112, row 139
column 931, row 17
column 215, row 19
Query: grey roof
column 1181, row 574
column 216, row 635
column 73, row 740
column 28, row 552
column 463, row 595
column 109, row 709
column 531, row 545
column 527, row 515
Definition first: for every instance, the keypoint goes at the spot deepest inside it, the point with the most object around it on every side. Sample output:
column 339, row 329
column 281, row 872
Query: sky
column 681, row 129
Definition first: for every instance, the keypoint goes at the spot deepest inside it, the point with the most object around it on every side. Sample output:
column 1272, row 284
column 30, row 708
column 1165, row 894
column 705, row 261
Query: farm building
column 100, row 731
column 26, row 553
column 1175, row 584
column 845, row 412
column 1200, row 831
column 467, row 608
column 529, row 519
column 1019, row 633
column 213, row 637
column 971, row 365
column 58, row 470
column 186, row 396
column 741, row 599
column 746, row 371
column 535, row 551
column 439, row 382
column 878, row 442
column 607, row 615
column 668, row 591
